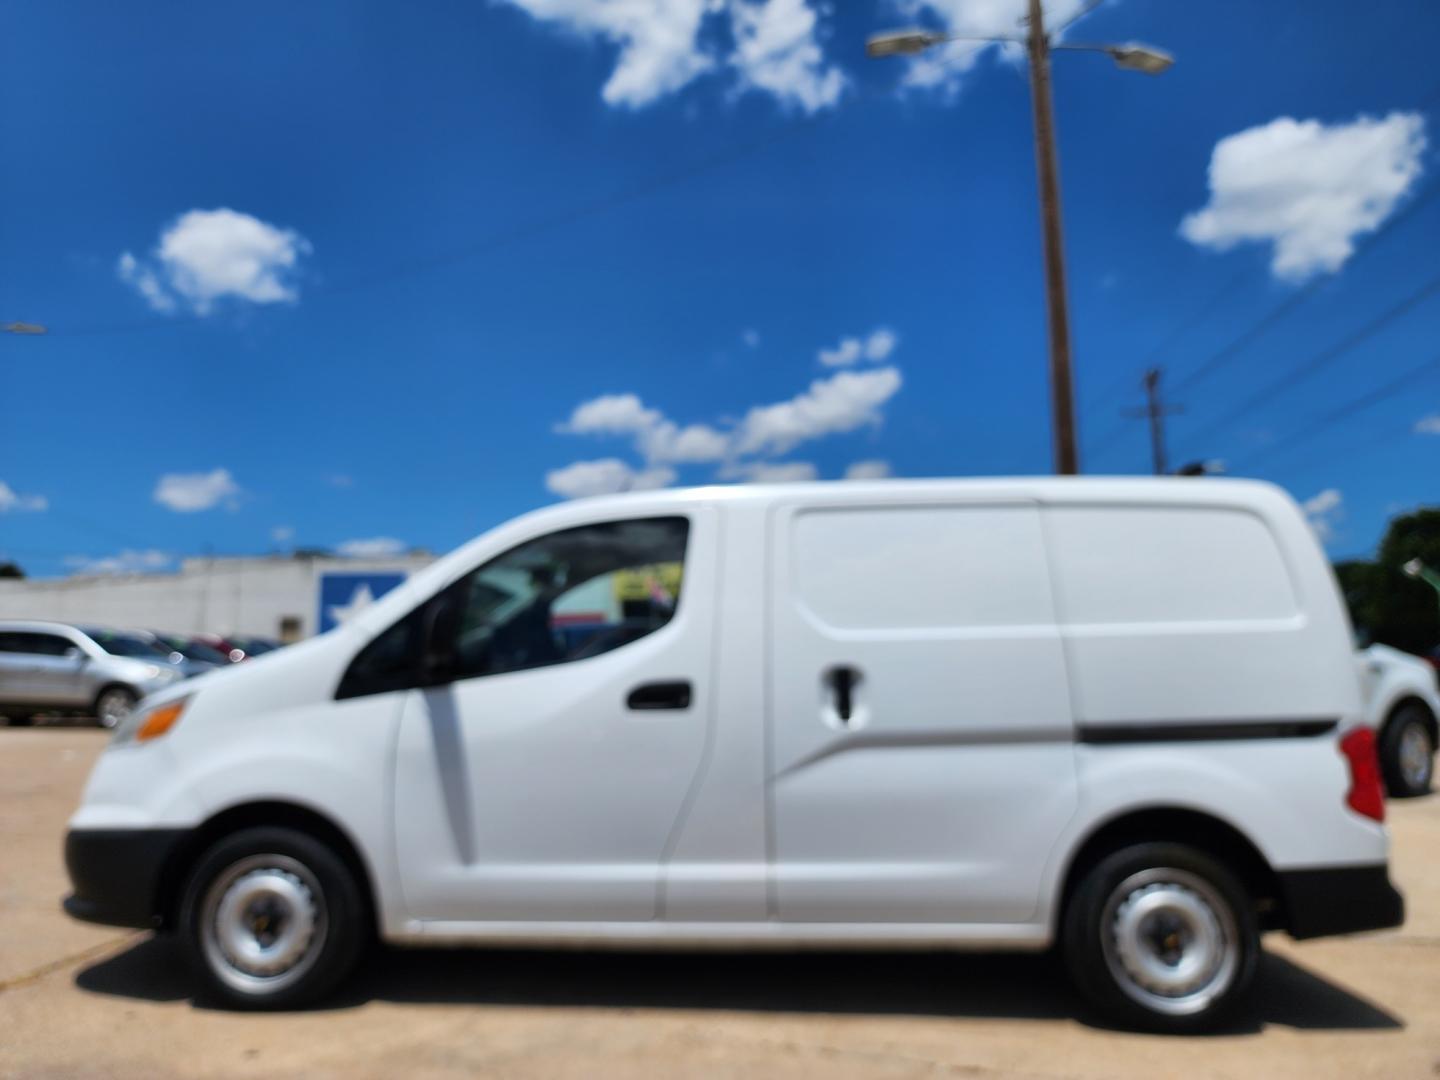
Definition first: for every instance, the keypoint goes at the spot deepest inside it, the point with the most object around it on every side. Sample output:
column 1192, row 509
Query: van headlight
column 142, row 725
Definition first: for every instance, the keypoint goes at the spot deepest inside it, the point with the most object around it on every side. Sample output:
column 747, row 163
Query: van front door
column 922, row 764
column 545, row 777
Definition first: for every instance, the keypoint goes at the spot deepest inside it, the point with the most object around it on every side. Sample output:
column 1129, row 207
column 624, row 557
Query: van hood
column 298, row 673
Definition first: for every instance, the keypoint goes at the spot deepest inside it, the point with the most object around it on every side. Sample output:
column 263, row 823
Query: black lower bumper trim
column 1340, row 900
column 116, row 874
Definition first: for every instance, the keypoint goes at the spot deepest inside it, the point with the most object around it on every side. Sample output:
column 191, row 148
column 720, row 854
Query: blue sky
column 477, row 255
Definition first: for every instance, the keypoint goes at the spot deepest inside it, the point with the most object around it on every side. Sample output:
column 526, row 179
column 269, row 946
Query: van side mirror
column 441, row 628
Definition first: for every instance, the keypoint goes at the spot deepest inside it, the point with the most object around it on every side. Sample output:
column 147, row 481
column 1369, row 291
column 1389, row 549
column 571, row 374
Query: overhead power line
column 1351, row 408
column 1211, row 305
column 1222, row 357
column 1162, row 347
column 1305, row 370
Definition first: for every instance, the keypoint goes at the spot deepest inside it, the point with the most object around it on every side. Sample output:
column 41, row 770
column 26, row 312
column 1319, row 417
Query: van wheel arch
column 1205, row 832
column 251, row 815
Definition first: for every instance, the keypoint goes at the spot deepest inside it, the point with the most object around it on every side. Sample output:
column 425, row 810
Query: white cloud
column 660, row 441
column 662, row 46
column 868, row 470
column 374, row 547
column 126, row 562
column 658, row 41
column 1426, row 425
column 876, row 347
column 676, row 445
column 340, row 480
column 282, row 534
column 942, row 68
column 776, row 50
column 843, row 402
column 146, row 282
column 188, row 492
column 750, row 337
column 606, row 476
column 1324, row 512
column 611, row 414
column 1307, row 188
column 11, row 501
column 210, row 255
column 770, row 472
column 839, row 403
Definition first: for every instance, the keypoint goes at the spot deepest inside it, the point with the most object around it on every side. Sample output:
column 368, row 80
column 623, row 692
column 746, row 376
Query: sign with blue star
column 344, row 594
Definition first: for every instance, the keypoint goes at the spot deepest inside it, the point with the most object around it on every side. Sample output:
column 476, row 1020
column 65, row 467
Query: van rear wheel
column 1161, row 936
column 272, row 918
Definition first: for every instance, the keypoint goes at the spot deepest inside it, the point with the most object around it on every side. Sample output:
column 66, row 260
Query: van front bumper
column 1340, row 900
column 116, row 874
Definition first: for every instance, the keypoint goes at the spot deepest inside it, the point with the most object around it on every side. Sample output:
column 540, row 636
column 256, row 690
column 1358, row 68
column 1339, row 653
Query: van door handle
column 842, row 680
column 660, row 695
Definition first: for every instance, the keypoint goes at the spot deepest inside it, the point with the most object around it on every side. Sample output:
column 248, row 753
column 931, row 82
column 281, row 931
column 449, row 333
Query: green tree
column 11, row 570
column 1410, row 611
column 1384, row 601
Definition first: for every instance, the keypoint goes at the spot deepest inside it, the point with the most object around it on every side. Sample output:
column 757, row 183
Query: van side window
column 571, row 595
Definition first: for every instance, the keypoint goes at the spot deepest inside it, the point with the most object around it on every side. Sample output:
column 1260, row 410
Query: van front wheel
column 272, row 918
column 1161, row 936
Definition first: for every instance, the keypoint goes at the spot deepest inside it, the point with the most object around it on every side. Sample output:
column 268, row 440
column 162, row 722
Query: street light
column 1136, row 57
column 1420, row 572
column 1131, row 57
column 24, row 328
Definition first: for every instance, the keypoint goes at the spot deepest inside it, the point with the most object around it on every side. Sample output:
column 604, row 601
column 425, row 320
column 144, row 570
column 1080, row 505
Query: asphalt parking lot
column 78, row 1000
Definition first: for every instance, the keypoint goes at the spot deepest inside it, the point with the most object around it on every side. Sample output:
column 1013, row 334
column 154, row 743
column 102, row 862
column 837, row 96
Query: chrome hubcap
column 1170, row 941
column 1416, row 755
column 113, row 707
column 263, row 923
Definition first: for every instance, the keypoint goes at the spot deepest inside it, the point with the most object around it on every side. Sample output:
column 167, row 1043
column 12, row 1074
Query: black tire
column 1147, row 877
column 1408, row 772
column 241, row 862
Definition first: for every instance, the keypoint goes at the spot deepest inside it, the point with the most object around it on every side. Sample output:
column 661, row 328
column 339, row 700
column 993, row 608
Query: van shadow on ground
column 920, row 984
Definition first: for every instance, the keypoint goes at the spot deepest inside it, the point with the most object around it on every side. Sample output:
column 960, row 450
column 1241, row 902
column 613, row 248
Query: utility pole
column 1155, row 410
column 1132, row 57
column 1062, row 393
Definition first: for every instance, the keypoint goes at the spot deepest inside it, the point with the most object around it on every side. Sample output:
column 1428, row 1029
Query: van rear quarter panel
column 1194, row 612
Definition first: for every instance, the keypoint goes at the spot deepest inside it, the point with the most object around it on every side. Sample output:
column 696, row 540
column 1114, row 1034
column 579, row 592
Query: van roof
column 1060, row 488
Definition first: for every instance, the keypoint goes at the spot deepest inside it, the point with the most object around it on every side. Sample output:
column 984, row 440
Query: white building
column 280, row 596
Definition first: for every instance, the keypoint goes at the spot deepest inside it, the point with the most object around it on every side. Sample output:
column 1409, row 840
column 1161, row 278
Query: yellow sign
column 640, row 583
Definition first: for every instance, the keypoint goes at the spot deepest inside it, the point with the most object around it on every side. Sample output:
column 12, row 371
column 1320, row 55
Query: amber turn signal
column 158, row 721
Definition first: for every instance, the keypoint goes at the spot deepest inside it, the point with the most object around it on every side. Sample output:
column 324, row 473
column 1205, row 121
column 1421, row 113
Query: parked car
column 188, row 666
column 237, row 647
column 191, row 648
column 51, row 667
column 1120, row 715
column 1402, row 704
column 253, row 645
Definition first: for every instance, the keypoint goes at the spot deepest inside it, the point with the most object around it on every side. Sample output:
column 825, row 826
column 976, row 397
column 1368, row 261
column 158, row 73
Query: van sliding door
column 921, row 743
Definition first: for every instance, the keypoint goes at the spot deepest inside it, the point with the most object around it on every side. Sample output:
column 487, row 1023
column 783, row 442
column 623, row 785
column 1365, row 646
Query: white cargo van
column 1117, row 715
